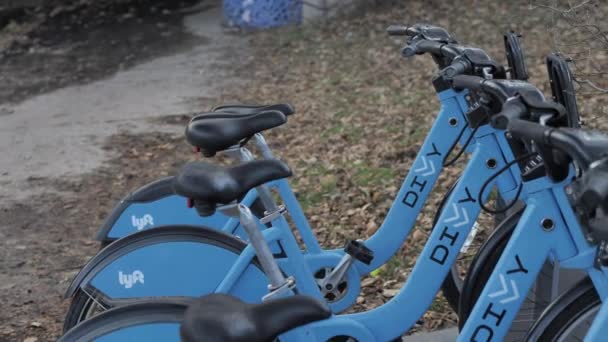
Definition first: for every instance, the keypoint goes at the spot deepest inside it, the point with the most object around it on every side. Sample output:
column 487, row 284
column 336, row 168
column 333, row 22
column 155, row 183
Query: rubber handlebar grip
column 456, row 68
column 430, row 46
column 467, row 82
column 529, row 130
column 397, row 30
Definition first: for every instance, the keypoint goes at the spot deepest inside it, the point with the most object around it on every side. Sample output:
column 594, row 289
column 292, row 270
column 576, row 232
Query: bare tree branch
column 579, row 32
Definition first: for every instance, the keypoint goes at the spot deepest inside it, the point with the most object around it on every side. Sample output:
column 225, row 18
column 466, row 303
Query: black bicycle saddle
column 209, row 185
column 284, row 108
column 218, row 133
column 240, row 110
column 222, row 318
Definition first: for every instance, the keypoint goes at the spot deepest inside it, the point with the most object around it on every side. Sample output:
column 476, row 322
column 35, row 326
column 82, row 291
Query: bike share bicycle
column 546, row 287
column 490, row 148
column 564, row 219
column 558, row 224
column 116, row 275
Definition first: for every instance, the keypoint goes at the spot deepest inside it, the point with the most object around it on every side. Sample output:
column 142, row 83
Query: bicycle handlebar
column 512, row 110
column 529, row 130
column 511, row 115
column 468, row 82
column 452, row 58
column 573, row 142
column 425, row 39
column 436, row 48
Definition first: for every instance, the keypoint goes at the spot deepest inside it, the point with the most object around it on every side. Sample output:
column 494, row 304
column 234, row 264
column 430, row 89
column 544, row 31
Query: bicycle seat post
column 278, row 283
column 263, row 146
column 263, row 191
column 234, row 152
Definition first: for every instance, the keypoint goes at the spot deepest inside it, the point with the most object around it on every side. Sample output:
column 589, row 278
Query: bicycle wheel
column 562, row 88
column 515, row 56
column 569, row 317
column 453, row 284
column 86, row 303
column 152, row 320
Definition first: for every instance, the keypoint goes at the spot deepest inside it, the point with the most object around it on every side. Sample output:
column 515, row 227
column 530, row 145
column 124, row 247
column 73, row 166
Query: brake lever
column 410, row 50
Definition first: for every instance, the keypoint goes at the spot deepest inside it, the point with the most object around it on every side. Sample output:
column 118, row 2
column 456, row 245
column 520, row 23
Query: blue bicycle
column 164, row 261
column 545, row 288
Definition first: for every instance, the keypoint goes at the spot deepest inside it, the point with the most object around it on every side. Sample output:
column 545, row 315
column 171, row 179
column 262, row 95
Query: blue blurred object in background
column 262, row 13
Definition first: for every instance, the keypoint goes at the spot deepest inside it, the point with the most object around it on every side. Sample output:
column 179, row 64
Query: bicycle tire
column 515, row 56
column 566, row 310
column 158, row 311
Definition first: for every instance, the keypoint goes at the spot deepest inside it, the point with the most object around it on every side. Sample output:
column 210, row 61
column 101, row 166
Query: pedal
column 359, row 251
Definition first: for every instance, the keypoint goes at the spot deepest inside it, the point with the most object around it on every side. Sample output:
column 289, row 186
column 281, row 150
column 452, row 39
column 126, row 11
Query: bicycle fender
column 152, row 205
column 170, row 261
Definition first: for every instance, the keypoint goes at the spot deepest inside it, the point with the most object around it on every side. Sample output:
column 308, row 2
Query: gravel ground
column 362, row 112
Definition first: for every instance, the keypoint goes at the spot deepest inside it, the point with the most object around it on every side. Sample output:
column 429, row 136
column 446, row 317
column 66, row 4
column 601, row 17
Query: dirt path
column 61, row 133
column 107, row 81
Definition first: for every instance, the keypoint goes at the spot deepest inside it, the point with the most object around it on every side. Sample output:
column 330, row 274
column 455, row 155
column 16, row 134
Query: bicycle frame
column 448, row 127
column 438, row 255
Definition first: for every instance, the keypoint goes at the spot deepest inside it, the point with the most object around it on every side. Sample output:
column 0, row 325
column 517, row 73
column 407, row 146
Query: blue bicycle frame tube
column 294, row 265
column 297, row 215
column 547, row 229
column 420, row 180
column 521, row 261
column 441, row 249
column 305, row 280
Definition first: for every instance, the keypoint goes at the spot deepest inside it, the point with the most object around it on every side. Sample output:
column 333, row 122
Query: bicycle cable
column 519, row 189
column 464, row 147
